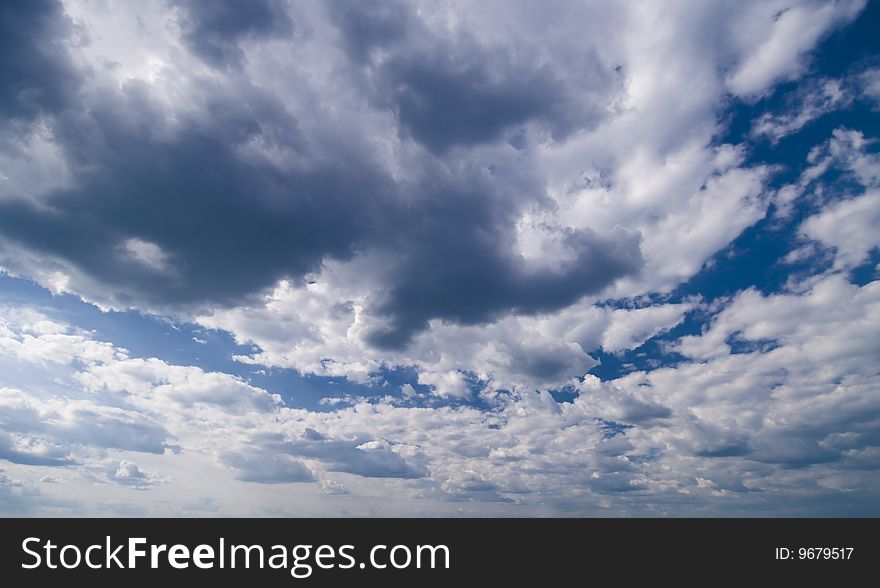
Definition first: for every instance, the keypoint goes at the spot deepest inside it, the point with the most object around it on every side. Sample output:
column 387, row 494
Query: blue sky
column 587, row 259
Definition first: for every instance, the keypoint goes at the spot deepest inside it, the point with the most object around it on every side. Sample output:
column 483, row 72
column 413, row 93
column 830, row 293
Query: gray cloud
column 130, row 431
column 369, row 26
column 215, row 214
column 443, row 101
column 49, row 436
column 35, row 70
column 448, row 92
column 213, row 29
column 37, row 453
column 266, row 468
column 177, row 211
column 343, row 455
column 470, row 275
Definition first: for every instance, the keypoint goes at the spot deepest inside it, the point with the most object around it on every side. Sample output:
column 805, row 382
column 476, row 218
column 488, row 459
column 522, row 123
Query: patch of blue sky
column 177, row 343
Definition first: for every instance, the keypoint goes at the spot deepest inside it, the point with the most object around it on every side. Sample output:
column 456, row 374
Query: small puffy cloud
column 447, row 384
column 27, row 450
column 332, row 487
column 127, row 473
column 146, row 253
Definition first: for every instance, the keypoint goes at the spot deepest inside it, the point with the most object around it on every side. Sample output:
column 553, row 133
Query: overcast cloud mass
column 489, row 258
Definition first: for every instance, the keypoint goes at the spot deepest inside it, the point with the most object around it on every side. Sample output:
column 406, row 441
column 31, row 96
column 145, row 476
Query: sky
column 498, row 258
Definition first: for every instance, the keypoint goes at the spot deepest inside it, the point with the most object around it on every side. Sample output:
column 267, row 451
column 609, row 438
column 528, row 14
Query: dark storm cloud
column 231, row 221
column 213, row 29
column 35, row 72
column 229, row 225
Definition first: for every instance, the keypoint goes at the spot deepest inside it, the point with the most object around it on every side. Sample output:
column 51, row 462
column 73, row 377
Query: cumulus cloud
column 450, row 90
column 485, row 197
column 841, row 184
column 273, row 198
column 730, row 420
column 458, row 200
column 850, row 227
column 300, row 328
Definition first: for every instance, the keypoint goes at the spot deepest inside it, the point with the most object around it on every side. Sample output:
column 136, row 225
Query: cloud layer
column 580, row 258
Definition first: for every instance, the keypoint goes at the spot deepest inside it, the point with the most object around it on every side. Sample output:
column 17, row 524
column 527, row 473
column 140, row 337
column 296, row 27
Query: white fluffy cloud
column 782, row 37
column 849, row 226
column 777, row 382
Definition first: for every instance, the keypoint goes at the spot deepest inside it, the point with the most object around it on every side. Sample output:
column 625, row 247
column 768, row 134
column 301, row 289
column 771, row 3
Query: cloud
column 18, row 497
column 274, row 199
column 840, row 188
column 806, row 105
column 29, row 451
column 127, row 473
column 214, row 30
column 36, row 74
column 47, row 430
column 871, row 84
column 783, row 37
column 333, row 487
column 447, row 88
column 475, row 198
column 367, row 27
column 630, row 328
column 364, row 457
column 267, row 469
column 794, row 399
column 300, row 328
column 849, row 226
column 721, row 421
column 179, row 177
